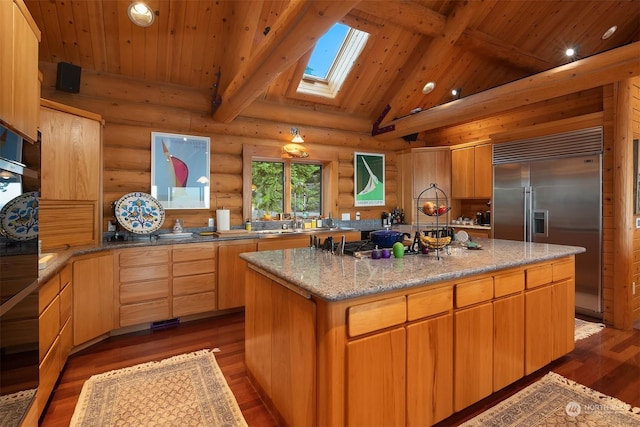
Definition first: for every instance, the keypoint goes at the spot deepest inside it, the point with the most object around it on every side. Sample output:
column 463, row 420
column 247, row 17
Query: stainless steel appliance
column 19, row 350
column 549, row 190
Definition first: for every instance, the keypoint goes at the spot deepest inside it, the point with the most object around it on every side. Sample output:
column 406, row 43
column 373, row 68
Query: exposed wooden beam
column 605, row 68
column 429, row 66
column 485, row 45
column 406, row 14
column 297, row 31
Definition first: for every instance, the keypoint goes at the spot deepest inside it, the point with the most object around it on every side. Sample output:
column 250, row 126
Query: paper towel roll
column 222, row 217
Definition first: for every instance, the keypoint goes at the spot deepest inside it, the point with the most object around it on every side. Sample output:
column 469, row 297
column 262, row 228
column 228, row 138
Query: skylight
column 326, row 51
column 331, row 61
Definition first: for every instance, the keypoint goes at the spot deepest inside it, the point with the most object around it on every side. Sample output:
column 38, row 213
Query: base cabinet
column 377, row 397
column 230, row 279
column 55, row 331
column 473, row 355
column 429, row 371
column 409, row 357
column 92, row 297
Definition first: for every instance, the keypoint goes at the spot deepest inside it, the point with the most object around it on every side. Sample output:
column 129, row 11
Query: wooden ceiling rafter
column 428, row 67
column 409, row 15
column 297, row 30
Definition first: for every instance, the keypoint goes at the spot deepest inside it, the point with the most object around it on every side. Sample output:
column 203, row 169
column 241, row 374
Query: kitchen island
column 335, row 340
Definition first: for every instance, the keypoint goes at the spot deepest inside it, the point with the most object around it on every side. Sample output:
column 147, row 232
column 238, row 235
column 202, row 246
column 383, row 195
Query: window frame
column 328, row 159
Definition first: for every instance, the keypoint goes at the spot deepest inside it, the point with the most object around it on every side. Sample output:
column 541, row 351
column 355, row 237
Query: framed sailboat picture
column 368, row 179
column 180, row 170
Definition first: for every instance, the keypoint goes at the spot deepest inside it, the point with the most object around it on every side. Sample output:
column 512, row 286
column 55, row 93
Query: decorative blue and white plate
column 19, row 217
column 139, row 213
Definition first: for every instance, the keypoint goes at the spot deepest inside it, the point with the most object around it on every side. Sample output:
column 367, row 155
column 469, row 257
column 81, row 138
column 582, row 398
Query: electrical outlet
column 637, row 222
column 633, row 288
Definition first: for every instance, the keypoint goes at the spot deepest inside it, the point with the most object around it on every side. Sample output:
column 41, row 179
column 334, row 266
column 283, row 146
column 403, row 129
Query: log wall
column 132, row 109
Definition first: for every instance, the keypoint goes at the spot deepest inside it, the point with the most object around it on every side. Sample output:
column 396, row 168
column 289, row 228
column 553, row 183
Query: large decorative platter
column 19, row 217
column 139, row 213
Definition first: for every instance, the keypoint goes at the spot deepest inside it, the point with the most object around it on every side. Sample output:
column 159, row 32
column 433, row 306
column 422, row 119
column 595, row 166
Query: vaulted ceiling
column 260, row 48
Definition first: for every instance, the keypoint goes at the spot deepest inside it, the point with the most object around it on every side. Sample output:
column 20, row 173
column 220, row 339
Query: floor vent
column 165, row 323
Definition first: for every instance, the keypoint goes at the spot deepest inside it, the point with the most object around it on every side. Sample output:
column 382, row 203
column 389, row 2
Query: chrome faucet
column 294, row 220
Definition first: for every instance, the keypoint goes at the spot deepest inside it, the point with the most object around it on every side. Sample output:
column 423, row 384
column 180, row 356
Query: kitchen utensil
column 386, row 238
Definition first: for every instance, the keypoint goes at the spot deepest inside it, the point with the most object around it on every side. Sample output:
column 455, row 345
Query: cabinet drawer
column 428, row 303
column 473, row 292
column 49, row 371
column 538, row 276
column 194, row 267
column 509, row 283
column 146, row 256
column 66, row 301
column 563, row 270
column 194, row 284
column 194, row 252
column 49, row 324
column 192, row 304
column 151, row 311
column 138, row 274
column 48, row 292
column 369, row 317
column 144, row 291
column 66, row 342
column 65, row 276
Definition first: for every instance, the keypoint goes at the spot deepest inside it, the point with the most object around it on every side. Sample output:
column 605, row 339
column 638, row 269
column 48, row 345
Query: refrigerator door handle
column 528, row 216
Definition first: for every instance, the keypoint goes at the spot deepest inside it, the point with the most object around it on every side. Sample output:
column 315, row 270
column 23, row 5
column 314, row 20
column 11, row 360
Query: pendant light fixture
column 295, row 148
column 141, row 14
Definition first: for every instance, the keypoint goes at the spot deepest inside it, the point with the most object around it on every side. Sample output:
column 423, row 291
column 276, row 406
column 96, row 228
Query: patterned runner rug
column 558, row 401
column 585, row 329
column 185, row 390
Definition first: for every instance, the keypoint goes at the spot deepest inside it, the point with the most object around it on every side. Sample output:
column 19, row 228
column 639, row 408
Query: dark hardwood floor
column 608, row 362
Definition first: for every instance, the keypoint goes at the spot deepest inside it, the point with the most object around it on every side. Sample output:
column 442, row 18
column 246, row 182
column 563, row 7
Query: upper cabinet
column 419, row 168
column 471, row 172
column 71, row 172
column 19, row 82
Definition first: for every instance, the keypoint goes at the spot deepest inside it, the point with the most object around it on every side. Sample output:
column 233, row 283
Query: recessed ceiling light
column 609, row 32
column 456, row 93
column 429, row 87
column 141, row 14
column 570, row 52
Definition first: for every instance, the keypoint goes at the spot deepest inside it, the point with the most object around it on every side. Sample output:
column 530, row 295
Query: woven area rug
column 558, row 401
column 13, row 406
column 585, row 329
column 185, row 390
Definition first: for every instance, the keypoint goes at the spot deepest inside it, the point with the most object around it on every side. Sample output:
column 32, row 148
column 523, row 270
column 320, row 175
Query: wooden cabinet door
column 71, row 156
column 473, row 355
column 462, row 172
column 6, row 71
column 508, row 340
column 429, row 371
column 562, row 317
column 283, row 243
column 483, row 183
column 231, row 272
column 376, row 379
column 92, row 297
column 538, row 329
column 26, row 85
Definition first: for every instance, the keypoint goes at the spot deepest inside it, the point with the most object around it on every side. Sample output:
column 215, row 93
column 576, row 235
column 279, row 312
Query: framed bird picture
column 180, row 170
column 369, row 180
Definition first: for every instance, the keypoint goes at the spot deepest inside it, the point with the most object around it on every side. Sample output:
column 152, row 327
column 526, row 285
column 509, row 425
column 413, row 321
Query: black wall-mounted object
column 411, row 138
column 68, row 77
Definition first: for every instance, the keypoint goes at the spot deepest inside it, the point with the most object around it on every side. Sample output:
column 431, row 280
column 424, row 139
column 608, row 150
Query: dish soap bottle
column 247, row 225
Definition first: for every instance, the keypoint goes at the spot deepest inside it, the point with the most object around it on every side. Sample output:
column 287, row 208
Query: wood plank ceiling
column 261, row 47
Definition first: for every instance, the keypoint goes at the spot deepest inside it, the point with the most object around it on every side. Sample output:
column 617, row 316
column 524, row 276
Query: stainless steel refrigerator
column 559, row 201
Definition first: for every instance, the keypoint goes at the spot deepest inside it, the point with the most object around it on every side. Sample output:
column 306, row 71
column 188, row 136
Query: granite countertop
column 334, row 278
column 56, row 258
